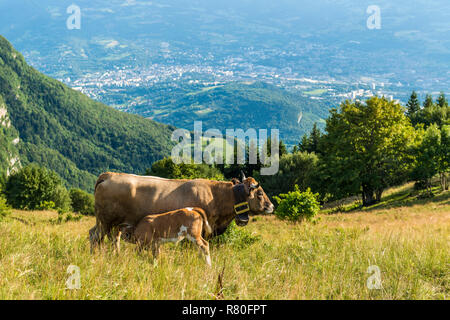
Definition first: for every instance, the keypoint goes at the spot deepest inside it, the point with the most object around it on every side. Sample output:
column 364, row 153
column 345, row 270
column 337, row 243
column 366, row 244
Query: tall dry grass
column 326, row 260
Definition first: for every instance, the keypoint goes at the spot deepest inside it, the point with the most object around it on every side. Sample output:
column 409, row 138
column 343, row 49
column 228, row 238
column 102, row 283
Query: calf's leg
column 155, row 249
column 203, row 245
column 114, row 235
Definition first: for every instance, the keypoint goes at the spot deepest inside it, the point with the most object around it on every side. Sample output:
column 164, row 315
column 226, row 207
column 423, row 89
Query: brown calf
column 172, row 226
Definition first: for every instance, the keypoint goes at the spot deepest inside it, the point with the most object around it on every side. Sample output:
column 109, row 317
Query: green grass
column 268, row 259
column 316, row 92
column 203, row 90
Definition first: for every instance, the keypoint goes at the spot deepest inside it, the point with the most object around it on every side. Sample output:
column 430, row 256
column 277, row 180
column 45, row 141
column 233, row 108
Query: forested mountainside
column 242, row 105
column 64, row 130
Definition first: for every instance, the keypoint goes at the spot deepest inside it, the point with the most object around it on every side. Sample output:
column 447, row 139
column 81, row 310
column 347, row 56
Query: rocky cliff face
column 9, row 140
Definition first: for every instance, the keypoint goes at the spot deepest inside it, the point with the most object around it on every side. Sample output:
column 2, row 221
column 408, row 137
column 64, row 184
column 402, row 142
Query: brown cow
column 125, row 198
column 171, row 226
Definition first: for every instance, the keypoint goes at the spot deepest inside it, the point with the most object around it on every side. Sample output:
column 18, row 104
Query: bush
column 297, row 205
column 33, row 186
column 4, row 208
column 47, row 205
column 82, row 202
column 238, row 237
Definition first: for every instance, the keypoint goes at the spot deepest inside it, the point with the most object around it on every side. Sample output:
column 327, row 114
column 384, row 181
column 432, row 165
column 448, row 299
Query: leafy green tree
column 433, row 156
column 297, row 206
column 82, row 202
column 298, row 168
column 166, row 168
column 444, row 157
column 31, row 186
column 366, row 148
column 425, row 164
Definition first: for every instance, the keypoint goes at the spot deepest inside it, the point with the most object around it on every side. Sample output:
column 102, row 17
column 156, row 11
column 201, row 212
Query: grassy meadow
column 406, row 237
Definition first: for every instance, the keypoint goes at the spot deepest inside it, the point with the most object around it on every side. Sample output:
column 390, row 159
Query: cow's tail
column 206, row 226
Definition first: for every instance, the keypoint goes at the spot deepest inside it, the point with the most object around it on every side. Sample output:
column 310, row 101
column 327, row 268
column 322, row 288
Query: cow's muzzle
column 242, row 219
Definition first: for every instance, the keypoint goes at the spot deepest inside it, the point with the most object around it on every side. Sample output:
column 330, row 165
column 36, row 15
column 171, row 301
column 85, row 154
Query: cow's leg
column 96, row 236
column 203, row 245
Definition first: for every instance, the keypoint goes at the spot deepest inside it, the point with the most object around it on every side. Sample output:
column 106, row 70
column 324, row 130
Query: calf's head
column 127, row 231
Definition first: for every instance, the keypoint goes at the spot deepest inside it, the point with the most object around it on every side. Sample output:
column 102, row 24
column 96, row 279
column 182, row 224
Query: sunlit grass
column 325, row 260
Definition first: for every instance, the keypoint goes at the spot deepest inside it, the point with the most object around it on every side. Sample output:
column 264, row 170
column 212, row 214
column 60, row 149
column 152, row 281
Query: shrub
column 296, row 205
column 82, row 202
column 62, row 198
column 32, row 186
column 4, row 208
column 46, row 205
column 66, row 217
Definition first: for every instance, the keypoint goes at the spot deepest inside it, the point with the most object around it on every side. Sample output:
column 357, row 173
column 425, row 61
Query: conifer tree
column 413, row 105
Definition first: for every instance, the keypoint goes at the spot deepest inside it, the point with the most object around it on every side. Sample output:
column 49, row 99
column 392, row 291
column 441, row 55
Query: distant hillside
column 243, row 105
column 66, row 131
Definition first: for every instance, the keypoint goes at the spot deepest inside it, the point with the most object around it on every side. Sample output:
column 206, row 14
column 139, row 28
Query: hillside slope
column 242, row 105
column 66, row 131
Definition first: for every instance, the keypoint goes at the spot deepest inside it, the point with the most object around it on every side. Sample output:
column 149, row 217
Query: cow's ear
column 250, row 185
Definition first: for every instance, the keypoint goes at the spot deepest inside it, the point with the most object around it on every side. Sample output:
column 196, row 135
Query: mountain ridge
column 64, row 130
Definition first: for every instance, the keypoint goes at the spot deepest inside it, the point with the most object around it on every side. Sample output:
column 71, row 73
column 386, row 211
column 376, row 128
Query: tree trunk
column 378, row 194
column 368, row 197
column 444, row 181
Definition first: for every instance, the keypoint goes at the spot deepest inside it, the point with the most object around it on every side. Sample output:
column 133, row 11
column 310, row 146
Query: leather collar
column 240, row 199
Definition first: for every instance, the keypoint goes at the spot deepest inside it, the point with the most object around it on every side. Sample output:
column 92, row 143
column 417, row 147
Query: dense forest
column 255, row 105
column 62, row 129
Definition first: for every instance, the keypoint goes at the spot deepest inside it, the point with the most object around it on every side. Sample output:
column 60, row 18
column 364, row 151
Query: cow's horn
column 243, row 175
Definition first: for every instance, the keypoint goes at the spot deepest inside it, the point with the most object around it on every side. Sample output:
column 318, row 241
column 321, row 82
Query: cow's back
column 127, row 198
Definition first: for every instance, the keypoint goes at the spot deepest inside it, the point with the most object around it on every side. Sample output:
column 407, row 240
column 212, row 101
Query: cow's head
column 257, row 199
